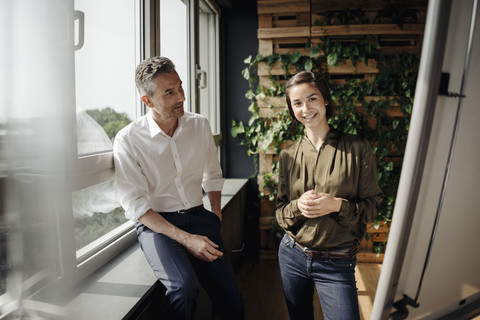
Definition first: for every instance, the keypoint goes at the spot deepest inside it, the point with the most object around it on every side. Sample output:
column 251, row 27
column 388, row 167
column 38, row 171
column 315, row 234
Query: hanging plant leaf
column 308, row 64
column 314, row 51
column 332, row 59
column 295, row 57
column 246, row 73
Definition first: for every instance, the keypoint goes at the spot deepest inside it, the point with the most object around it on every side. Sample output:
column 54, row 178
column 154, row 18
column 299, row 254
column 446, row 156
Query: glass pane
column 96, row 212
column 173, row 38
column 28, row 235
column 104, row 72
column 208, row 59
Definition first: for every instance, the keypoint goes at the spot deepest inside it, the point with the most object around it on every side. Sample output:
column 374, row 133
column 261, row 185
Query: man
column 162, row 161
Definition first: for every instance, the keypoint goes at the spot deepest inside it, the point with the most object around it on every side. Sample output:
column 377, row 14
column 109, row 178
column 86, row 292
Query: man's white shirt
column 163, row 173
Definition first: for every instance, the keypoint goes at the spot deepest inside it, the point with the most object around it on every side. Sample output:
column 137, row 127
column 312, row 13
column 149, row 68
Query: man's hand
column 314, row 205
column 201, row 247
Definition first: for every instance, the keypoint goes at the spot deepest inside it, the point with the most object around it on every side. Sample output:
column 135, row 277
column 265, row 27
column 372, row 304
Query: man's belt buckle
column 183, row 211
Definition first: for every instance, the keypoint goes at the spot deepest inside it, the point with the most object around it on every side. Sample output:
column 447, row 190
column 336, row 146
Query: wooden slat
column 329, row 5
column 363, row 29
column 343, row 68
column 290, row 45
column 277, row 70
column 286, row 32
column 271, row 112
column 284, row 6
column 274, row 101
column 348, row 68
column 265, row 21
column 265, row 165
column 271, row 150
column 265, row 47
column 380, row 237
column 264, row 81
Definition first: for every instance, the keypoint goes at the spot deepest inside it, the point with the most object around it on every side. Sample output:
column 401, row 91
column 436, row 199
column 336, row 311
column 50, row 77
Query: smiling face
column 308, row 105
column 167, row 100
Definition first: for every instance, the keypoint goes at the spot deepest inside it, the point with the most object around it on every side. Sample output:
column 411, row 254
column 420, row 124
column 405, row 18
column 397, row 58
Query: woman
column 327, row 194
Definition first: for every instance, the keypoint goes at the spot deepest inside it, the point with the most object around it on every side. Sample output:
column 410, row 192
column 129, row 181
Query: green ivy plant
column 356, row 112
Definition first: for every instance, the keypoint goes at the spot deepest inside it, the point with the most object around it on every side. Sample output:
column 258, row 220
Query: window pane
column 173, row 38
column 29, row 247
column 96, row 212
column 104, row 72
column 209, row 105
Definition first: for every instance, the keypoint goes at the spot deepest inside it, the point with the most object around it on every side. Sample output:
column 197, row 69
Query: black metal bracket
column 443, row 90
column 401, row 306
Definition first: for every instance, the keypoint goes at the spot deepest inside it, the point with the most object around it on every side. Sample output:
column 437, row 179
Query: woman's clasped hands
column 314, row 205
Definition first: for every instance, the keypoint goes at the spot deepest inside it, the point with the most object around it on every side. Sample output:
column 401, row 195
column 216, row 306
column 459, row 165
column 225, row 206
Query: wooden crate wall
column 285, row 26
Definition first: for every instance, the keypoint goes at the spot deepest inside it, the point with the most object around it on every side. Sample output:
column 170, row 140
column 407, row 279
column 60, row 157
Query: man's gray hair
column 148, row 70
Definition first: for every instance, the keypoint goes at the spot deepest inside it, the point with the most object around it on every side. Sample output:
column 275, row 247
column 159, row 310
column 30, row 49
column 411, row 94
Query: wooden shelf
column 286, row 32
column 339, row 30
column 364, row 29
column 282, row 6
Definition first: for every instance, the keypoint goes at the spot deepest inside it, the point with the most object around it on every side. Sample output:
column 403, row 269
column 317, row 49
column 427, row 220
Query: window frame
column 212, row 68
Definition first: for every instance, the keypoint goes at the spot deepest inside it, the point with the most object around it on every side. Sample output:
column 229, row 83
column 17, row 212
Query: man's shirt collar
column 155, row 128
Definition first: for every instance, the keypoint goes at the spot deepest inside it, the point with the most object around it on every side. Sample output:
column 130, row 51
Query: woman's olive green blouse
column 343, row 167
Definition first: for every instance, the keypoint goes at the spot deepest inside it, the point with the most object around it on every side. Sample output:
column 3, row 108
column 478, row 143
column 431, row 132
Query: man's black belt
column 200, row 207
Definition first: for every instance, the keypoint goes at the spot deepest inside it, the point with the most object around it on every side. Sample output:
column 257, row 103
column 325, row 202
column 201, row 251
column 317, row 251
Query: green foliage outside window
column 110, row 120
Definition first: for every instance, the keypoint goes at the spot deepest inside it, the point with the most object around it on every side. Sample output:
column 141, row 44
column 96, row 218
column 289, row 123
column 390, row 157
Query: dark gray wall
column 239, row 23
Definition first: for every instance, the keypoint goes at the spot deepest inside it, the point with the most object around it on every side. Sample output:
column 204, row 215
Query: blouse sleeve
column 287, row 213
column 365, row 207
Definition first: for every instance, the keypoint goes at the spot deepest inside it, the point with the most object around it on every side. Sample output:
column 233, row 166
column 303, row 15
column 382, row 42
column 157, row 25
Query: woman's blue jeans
column 334, row 280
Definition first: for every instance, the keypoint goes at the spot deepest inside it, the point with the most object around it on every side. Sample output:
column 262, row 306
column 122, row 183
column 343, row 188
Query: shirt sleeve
column 365, row 207
column 131, row 183
column 287, row 213
column 212, row 172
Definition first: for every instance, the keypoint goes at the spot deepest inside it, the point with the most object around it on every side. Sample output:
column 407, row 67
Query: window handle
column 80, row 16
column 201, row 76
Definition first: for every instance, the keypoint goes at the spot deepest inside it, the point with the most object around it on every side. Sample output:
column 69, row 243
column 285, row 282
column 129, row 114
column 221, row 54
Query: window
column 105, row 96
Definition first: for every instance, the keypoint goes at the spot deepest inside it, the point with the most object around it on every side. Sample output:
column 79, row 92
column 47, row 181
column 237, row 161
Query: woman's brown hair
column 317, row 80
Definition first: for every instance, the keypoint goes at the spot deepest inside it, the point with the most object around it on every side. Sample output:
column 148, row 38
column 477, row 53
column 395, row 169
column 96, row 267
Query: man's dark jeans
column 182, row 274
